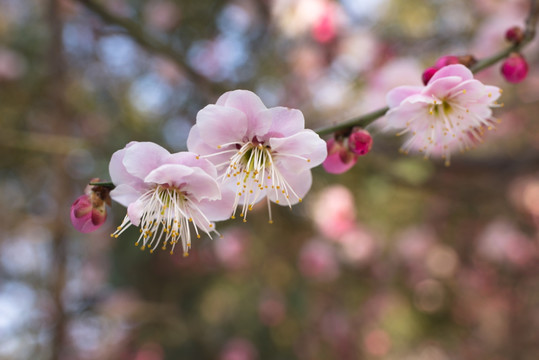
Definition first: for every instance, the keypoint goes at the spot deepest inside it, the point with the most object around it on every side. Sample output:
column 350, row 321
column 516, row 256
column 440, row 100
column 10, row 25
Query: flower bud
column 360, row 142
column 88, row 212
column 514, row 35
column 339, row 159
column 427, row 74
column 515, row 68
column 446, row 60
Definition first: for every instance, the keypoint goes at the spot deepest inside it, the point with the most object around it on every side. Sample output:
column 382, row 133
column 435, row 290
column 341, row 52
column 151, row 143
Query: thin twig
column 151, row 43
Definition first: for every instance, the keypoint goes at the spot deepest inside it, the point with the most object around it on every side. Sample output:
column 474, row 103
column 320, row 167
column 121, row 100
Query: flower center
column 252, row 168
column 166, row 214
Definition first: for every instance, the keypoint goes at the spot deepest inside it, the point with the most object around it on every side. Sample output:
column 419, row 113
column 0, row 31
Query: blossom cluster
column 239, row 153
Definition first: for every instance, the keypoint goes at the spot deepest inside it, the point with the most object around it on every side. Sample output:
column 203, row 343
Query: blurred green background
column 400, row 258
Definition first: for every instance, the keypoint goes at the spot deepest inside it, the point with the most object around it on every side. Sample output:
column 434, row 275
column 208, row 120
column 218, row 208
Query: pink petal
column 196, row 144
column 458, row 70
column 141, row 158
column 469, row 90
column 284, row 121
column 250, row 104
column 306, row 144
column 441, row 88
column 218, row 125
column 398, row 94
column 334, row 163
column 117, row 171
column 219, row 210
column 397, row 118
column 299, row 182
column 192, row 160
column 125, row 194
column 194, row 181
column 135, row 210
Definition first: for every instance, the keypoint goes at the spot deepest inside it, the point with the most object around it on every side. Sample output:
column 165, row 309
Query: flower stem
column 108, row 185
column 529, row 35
column 361, row 121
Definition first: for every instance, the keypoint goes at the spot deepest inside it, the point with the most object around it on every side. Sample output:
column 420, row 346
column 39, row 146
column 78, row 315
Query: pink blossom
column 238, row 349
column 318, row 261
column 231, row 248
column 166, row 192
column 335, row 212
column 259, row 152
column 447, row 114
column 88, row 212
column 340, row 159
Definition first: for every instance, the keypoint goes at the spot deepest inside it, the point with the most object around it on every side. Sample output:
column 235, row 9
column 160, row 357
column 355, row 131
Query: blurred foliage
column 400, row 258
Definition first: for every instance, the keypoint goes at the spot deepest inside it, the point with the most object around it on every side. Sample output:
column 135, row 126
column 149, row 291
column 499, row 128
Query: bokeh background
column 400, row 258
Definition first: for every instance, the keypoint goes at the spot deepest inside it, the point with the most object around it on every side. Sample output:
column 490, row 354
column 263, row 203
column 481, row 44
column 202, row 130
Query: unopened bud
column 339, row 159
column 89, row 212
column 514, row 35
column 428, row 74
column 515, row 68
column 446, row 60
column 360, row 142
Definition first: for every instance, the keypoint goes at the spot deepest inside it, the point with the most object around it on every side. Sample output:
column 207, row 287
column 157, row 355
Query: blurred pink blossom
column 12, row 65
column 271, row 310
column 317, row 261
column 231, row 248
column 357, row 246
column 238, row 349
column 335, row 212
column 501, row 241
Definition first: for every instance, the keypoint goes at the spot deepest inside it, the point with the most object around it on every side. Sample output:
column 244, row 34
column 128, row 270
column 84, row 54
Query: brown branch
column 152, row 44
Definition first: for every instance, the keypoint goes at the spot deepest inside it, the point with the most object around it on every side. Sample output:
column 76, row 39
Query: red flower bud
column 427, row 74
column 446, row 60
column 515, row 68
column 360, row 142
column 514, row 35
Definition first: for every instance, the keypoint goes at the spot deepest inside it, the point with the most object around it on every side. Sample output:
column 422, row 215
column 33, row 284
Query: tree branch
column 151, row 43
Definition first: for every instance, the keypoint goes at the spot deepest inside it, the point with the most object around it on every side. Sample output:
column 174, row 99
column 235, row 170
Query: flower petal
column 250, row 104
column 142, row 157
column 398, row 94
column 125, row 194
column 284, row 121
column 194, row 181
column 117, row 170
column 218, row 125
column 192, row 160
column 442, row 88
column 299, row 182
column 457, row 70
column 135, row 210
column 218, row 210
column 303, row 150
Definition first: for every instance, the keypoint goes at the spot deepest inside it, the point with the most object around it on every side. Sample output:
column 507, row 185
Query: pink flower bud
column 88, row 212
column 514, row 34
column 360, row 142
column 339, row 159
column 515, row 68
column 446, row 60
column 85, row 217
column 427, row 74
